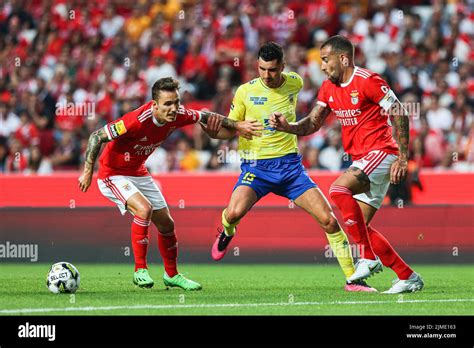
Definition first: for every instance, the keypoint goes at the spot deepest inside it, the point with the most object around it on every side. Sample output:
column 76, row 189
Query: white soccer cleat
column 412, row 284
column 364, row 268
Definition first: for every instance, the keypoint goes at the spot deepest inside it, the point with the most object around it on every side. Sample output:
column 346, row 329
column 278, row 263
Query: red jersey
column 359, row 104
column 134, row 137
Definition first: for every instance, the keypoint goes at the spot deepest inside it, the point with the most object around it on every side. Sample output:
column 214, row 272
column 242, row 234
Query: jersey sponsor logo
column 348, row 117
column 252, row 82
column 350, row 222
column 258, row 100
column 354, row 97
column 347, row 113
column 146, row 150
column 266, row 126
column 117, row 129
column 126, row 187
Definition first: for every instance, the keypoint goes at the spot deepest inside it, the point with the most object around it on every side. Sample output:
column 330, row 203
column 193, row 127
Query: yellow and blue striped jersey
column 255, row 101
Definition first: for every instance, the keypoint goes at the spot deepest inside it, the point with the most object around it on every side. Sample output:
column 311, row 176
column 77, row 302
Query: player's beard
column 334, row 79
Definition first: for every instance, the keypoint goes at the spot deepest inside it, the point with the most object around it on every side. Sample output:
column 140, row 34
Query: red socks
column 140, row 241
column 371, row 239
column 168, row 245
column 353, row 218
column 388, row 255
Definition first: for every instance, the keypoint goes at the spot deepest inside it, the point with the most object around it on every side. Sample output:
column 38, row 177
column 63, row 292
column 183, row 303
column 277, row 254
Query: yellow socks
column 229, row 228
column 341, row 248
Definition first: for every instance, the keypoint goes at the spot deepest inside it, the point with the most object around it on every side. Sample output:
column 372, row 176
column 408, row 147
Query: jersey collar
column 350, row 79
column 266, row 87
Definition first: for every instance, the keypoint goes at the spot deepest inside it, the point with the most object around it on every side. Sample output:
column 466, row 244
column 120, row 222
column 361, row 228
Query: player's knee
column 145, row 211
column 234, row 214
column 166, row 226
column 329, row 224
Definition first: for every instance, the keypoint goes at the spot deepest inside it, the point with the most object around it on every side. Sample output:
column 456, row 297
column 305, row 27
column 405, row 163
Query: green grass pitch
column 247, row 289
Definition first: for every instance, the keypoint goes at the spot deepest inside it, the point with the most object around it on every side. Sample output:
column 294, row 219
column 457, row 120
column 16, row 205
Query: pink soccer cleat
column 219, row 248
column 359, row 286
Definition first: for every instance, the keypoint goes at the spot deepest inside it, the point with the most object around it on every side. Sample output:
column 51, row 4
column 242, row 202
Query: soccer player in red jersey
column 362, row 101
column 124, row 179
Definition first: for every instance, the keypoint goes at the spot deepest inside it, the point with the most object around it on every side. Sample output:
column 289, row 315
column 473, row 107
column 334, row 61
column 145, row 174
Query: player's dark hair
column 271, row 51
column 340, row 44
column 164, row 84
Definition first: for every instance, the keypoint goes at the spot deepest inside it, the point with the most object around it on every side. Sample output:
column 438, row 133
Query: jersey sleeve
column 378, row 91
column 322, row 98
column 237, row 108
column 121, row 127
column 188, row 116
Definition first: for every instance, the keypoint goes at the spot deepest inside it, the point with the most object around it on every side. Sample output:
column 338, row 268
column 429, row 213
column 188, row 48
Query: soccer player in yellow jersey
column 271, row 162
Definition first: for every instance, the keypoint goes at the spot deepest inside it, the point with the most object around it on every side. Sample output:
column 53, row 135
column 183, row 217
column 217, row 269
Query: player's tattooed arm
column 96, row 139
column 226, row 122
column 402, row 126
column 308, row 125
column 221, row 127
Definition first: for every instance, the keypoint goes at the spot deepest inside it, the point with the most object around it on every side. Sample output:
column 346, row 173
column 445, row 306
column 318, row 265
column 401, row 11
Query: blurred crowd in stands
column 69, row 67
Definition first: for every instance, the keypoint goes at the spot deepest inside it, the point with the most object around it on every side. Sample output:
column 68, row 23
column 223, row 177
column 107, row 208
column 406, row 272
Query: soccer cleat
column 412, row 284
column 219, row 248
column 359, row 286
column 365, row 268
column 181, row 281
column 142, row 279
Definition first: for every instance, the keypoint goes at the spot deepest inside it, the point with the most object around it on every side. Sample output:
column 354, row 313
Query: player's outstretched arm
column 399, row 168
column 308, row 125
column 221, row 127
column 96, row 140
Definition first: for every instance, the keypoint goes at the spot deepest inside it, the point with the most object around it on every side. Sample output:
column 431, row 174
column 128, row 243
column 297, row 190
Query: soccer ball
column 64, row 278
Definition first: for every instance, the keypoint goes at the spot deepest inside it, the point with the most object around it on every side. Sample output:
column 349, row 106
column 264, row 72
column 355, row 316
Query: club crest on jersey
column 291, row 98
column 258, row 100
column 354, row 97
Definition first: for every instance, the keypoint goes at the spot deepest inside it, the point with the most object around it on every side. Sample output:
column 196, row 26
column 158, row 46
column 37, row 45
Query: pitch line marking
column 220, row 305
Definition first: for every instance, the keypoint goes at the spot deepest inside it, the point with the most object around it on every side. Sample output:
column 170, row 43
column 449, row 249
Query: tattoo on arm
column 93, row 147
column 311, row 123
column 402, row 126
column 226, row 122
